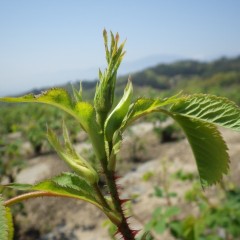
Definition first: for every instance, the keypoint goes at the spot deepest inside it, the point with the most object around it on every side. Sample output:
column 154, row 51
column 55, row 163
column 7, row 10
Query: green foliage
column 116, row 117
column 56, row 97
column 183, row 176
column 111, row 229
column 209, row 108
column 210, row 221
column 146, row 236
column 209, row 149
column 144, row 106
column 65, row 185
column 220, row 77
column 162, row 193
column 6, row 225
column 104, row 95
column 147, row 176
column 211, row 218
column 196, row 114
column 161, row 219
column 3, row 222
column 71, row 157
column 11, row 161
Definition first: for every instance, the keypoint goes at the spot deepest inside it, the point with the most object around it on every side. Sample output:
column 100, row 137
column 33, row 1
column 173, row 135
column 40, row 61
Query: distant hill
column 220, row 77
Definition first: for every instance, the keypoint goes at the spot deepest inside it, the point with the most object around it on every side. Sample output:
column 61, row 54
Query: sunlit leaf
column 3, row 222
column 9, row 223
column 209, row 108
column 116, row 117
column 6, row 224
column 77, row 93
column 65, row 185
column 144, row 106
column 71, row 157
column 208, row 147
column 87, row 116
column 146, row 236
column 56, row 96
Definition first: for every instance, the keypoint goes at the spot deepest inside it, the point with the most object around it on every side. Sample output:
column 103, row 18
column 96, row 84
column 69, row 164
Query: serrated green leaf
column 144, row 106
column 146, row 236
column 116, row 145
column 208, row 147
column 116, row 117
column 160, row 226
column 77, row 93
column 67, row 191
column 9, row 223
column 74, row 181
column 3, row 222
column 56, row 96
column 60, row 98
column 105, row 37
column 71, row 157
column 209, row 108
column 87, row 114
column 65, row 185
column 6, row 224
column 171, row 211
column 19, row 186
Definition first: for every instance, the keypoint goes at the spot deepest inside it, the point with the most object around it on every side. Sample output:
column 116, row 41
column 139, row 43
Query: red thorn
column 116, row 177
column 116, row 233
column 124, row 211
column 119, row 187
column 127, row 218
column 135, row 232
column 122, row 201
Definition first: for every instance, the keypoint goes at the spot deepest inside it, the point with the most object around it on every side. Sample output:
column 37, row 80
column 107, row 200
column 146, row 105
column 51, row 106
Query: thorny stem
column 123, row 227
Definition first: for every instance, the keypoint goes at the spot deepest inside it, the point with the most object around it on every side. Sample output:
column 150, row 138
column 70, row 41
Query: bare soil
column 141, row 153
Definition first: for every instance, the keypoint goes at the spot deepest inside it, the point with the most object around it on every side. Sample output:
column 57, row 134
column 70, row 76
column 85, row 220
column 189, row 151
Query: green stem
column 100, row 196
column 27, row 196
column 36, row 194
column 101, row 117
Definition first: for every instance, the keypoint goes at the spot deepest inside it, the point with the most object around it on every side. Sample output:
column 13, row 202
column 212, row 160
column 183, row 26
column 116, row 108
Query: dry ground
column 61, row 219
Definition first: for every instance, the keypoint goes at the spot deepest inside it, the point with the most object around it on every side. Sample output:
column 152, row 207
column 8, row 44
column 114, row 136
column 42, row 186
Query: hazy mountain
column 221, row 77
column 149, row 61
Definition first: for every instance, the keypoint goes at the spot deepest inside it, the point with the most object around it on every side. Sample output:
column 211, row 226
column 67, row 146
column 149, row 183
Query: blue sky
column 43, row 43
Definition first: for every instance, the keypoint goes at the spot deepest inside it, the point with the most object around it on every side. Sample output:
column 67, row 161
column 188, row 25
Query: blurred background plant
column 212, row 219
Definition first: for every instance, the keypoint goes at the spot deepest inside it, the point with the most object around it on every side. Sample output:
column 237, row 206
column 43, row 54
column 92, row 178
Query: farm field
column 156, row 164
